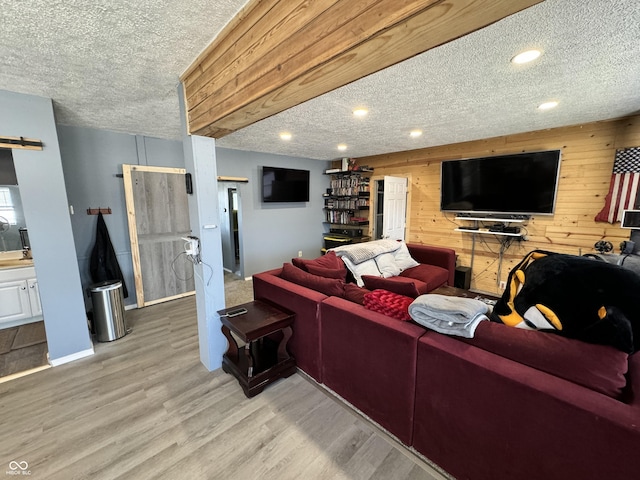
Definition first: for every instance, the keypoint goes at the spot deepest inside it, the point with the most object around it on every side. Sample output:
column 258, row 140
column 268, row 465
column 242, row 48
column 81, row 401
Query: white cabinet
column 14, row 301
column 19, row 297
column 34, row 297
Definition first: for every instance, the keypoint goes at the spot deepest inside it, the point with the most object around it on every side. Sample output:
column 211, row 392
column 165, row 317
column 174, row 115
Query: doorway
column 378, row 209
column 23, row 341
column 231, row 227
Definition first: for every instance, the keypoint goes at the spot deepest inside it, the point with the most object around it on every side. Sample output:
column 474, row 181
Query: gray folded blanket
column 448, row 315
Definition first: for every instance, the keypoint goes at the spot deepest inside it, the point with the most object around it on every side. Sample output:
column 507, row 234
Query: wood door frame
column 133, row 229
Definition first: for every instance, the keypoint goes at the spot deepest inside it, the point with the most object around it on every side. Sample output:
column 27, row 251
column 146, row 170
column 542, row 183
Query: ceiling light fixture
column 415, row 133
column 547, row 105
column 285, row 136
column 526, row 57
column 360, row 112
column 342, row 147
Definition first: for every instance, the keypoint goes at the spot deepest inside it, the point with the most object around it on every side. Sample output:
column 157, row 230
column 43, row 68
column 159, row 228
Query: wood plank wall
column 587, row 160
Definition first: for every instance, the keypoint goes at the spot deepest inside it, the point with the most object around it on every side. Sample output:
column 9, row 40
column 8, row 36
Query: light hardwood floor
column 144, row 407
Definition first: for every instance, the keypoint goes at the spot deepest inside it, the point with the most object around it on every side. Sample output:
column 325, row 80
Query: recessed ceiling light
column 360, row 112
column 547, row 105
column 415, row 133
column 285, row 136
column 526, row 57
column 342, row 147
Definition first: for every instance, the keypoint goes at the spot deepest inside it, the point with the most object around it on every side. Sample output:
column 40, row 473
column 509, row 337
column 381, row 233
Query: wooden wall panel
column 588, row 153
column 279, row 53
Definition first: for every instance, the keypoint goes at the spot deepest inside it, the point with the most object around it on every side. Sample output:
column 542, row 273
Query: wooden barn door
column 158, row 217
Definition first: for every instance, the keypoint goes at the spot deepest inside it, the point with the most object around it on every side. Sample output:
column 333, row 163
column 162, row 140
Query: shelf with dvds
column 347, row 198
column 346, row 207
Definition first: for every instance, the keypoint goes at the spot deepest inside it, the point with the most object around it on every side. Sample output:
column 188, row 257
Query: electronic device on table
column 235, row 312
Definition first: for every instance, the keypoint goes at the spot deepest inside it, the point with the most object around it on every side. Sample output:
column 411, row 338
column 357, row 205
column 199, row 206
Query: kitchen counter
column 15, row 263
column 14, row 259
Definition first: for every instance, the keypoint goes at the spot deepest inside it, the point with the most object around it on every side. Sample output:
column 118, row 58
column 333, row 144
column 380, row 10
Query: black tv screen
column 285, row 185
column 523, row 183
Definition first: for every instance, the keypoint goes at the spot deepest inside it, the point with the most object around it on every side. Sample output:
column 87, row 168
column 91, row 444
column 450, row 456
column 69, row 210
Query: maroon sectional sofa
column 507, row 404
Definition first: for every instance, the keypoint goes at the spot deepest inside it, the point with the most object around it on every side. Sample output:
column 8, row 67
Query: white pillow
column 386, row 263
column 368, row 267
column 403, row 258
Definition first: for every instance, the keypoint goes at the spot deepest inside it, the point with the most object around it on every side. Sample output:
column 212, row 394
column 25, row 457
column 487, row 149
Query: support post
column 200, row 162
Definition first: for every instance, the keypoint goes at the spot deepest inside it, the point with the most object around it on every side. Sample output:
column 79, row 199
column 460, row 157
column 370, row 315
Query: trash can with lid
column 108, row 310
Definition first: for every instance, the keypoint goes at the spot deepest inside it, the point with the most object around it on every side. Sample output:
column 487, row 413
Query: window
column 6, row 206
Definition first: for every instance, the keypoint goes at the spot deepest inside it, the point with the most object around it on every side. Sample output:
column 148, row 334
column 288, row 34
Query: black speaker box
column 462, row 278
column 627, row 247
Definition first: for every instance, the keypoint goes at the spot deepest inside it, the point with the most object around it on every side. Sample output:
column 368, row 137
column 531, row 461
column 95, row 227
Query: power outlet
column 503, row 285
column 299, row 253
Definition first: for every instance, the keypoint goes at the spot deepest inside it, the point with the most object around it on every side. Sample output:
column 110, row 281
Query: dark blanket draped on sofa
column 104, row 264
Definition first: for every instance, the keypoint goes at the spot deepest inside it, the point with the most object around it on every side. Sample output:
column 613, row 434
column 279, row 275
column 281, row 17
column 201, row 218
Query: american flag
column 623, row 190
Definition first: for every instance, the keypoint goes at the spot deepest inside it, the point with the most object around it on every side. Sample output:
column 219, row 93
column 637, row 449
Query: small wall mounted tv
column 518, row 184
column 285, row 185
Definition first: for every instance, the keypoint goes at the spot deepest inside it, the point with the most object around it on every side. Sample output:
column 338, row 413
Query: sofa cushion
column 386, row 263
column 408, row 287
column 354, row 293
column 328, row 265
column 597, row 367
column 327, row 272
column 433, row 276
column 368, row 267
column 328, row 286
column 403, row 258
column 389, row 304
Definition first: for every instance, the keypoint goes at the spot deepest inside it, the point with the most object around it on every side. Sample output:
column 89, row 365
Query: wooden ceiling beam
column 309, row 40
column 279, row 53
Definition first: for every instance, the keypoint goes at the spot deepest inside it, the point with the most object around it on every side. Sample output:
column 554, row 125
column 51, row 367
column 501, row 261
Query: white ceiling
column 115, row 65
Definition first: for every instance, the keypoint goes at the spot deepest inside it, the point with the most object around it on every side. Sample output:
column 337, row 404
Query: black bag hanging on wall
column 104, row 264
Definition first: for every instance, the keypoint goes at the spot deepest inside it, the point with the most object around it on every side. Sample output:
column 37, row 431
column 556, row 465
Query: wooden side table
column 262, row 360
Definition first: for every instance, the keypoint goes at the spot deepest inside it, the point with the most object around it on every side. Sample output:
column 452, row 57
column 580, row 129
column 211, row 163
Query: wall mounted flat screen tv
column 523, row 183
column 285, row 185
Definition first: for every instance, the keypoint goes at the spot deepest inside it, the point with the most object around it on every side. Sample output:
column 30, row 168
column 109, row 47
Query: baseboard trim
column 55, row 362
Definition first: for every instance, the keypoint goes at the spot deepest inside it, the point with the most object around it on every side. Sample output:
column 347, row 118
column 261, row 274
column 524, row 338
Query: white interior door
column 395, row 208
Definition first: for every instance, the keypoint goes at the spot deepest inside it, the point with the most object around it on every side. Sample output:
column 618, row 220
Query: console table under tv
column 505, row 229
column 501, row 228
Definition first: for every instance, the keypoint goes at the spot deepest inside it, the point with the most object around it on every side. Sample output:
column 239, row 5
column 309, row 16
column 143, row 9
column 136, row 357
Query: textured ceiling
column 111, row 64
column 115, row 65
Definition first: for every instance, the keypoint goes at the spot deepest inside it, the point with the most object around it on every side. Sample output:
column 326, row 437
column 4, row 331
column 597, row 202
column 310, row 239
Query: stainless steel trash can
column 108, row 310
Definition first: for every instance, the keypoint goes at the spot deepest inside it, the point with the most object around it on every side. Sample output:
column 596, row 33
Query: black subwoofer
column 462, row 278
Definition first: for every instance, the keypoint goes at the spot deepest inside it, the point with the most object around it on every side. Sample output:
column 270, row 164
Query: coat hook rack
column 96, row 211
